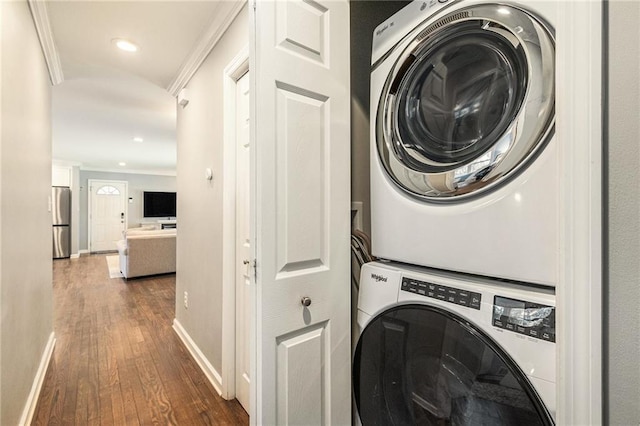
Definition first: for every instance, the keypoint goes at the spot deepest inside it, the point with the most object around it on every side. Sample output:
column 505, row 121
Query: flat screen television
column 159, row 204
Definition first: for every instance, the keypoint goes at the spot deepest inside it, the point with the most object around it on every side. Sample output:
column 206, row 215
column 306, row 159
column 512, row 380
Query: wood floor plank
column 107, row 374
column 125, row 372
column 117, row 360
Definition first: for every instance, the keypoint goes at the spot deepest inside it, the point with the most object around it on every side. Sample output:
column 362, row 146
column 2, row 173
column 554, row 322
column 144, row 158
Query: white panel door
column 301, row 128
column 243, row 242
column 107, row 214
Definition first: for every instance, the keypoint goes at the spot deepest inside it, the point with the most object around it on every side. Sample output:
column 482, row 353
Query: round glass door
column 469, row 102
column 420, row 365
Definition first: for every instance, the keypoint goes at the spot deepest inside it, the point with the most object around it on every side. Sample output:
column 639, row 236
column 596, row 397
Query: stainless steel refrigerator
column 61, row 210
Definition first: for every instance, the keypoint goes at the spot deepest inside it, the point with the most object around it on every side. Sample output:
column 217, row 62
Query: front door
column 300, row 132
column 107, row 214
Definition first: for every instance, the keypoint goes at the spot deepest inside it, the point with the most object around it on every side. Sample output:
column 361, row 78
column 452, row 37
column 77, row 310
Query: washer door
column 469, row 102
column 421, row 365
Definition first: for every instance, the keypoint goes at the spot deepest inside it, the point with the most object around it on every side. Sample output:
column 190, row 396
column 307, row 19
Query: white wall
column 623, row 328
column 25, row 222
column 199, row 243
column 138, row 183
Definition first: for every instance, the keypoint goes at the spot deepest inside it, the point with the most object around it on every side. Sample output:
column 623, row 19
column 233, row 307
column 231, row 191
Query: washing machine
column 464, row 159
column 438, row 348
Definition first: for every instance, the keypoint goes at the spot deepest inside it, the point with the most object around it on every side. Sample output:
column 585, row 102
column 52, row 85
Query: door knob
column 305, row 301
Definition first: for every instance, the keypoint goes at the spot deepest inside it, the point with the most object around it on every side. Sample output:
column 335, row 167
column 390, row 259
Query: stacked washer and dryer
column 457, row 323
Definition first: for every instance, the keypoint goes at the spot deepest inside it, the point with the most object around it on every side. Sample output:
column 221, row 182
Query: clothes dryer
column 464, row 160
column 440, row 348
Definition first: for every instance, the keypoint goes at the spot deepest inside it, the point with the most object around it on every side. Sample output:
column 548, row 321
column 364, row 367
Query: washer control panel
column 460, row 297
column 528, row 318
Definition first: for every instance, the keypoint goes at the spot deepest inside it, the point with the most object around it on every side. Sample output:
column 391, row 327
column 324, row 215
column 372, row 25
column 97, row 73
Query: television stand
column 167, row 223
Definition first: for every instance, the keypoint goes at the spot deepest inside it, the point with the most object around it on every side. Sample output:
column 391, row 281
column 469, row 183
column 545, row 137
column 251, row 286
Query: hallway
column 117, row 361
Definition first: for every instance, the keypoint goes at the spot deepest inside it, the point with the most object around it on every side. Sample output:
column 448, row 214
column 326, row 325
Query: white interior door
column 301, row 128
column 107, row 214
column 243, row 242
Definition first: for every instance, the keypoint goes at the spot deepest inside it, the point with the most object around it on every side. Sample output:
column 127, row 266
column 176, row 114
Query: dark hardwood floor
column 117, row 361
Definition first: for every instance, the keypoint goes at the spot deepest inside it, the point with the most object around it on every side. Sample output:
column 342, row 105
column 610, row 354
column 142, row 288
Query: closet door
column 301, row 196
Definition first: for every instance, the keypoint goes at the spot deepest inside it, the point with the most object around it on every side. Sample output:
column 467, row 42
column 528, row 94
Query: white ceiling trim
column 43, row 27
column 129, row 171
column 210, row 37
column 65, row 163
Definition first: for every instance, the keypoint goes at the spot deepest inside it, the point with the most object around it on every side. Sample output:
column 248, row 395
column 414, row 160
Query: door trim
column 232, row 73
column 90, row 182
column 579, row 290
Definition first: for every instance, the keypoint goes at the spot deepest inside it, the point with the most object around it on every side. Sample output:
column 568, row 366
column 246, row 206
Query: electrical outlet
column 186, row 300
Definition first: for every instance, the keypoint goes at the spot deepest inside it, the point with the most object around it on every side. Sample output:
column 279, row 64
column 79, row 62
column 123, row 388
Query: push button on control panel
column 527, row 318
column 457, row 296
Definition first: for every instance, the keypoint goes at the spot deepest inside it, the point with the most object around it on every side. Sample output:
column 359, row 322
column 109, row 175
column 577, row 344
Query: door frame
column 238, row 66
column 579, row 294
column 90, row 182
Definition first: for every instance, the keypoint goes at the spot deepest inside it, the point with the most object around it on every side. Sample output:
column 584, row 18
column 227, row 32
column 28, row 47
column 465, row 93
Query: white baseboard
column 80, row 253
column 212, row 375
column 75, row 256
column 34, row 394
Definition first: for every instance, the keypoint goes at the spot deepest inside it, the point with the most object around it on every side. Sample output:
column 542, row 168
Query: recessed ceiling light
column 137, row 139
column 125, row 45
column 122, row 163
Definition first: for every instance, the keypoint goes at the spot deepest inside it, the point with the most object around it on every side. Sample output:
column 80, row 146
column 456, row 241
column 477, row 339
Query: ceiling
column 109, row 96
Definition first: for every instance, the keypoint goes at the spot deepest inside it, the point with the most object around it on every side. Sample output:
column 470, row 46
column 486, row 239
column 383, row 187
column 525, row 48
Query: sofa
column 145, row 251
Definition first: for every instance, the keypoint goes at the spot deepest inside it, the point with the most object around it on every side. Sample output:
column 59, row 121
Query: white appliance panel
column 511, row 232
column 381, row 289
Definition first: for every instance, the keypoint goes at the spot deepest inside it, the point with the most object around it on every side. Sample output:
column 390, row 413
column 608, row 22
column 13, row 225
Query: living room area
column 127, row 190
column 108, row 209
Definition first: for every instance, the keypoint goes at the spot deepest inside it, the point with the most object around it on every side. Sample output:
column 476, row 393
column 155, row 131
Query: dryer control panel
column 470, row 299
column 528, row 318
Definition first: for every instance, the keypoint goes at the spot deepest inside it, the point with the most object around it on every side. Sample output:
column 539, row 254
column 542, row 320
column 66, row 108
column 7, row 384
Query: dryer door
column 469, row 102
column 421, row 365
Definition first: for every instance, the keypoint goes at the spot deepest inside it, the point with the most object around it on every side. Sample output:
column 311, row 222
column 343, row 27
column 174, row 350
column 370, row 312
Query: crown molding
column 153, row 172
column 65, row 163
column 40, row 17
column 224, row 17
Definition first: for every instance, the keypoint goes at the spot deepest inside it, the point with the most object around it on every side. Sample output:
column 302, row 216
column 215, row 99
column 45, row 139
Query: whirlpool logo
column 378, row 278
